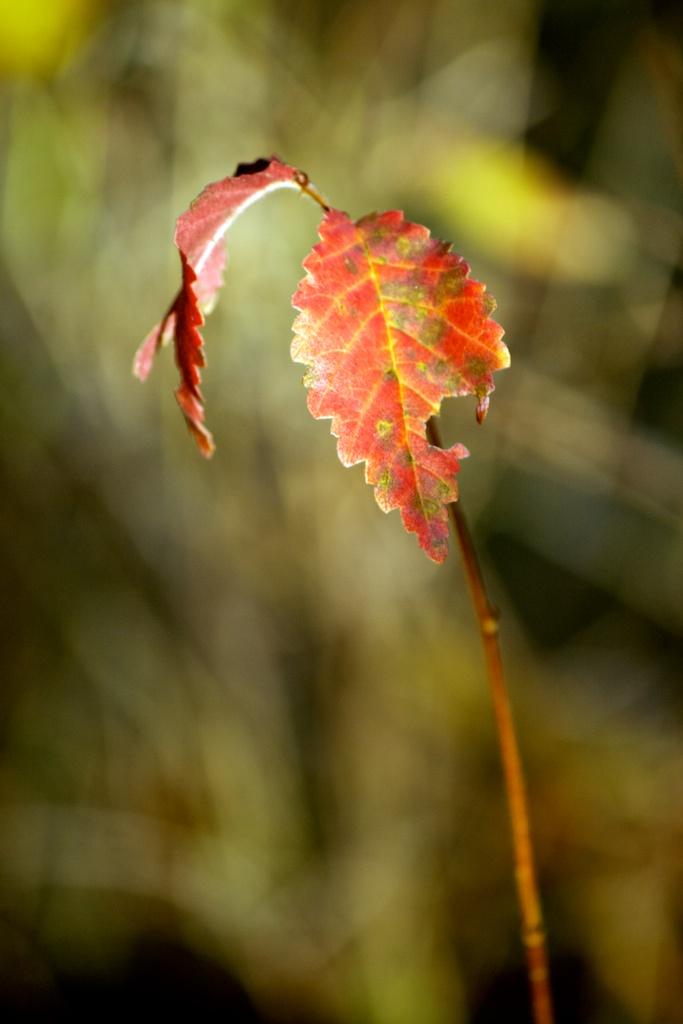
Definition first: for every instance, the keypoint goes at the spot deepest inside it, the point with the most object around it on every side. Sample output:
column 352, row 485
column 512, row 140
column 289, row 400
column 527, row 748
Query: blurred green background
column 247, row 760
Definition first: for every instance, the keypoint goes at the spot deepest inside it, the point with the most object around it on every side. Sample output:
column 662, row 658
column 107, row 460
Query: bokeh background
column 247, row 764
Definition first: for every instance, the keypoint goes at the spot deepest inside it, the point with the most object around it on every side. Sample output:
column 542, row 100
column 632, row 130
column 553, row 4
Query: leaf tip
column 482, row 408
column 204, row 439
column 193, row 411
column 435, row 550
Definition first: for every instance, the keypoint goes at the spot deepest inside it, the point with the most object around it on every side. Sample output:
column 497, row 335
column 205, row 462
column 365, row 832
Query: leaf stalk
column 310, row 190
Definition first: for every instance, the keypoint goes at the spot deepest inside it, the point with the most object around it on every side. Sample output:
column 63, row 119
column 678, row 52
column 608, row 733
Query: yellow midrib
column 394, row 365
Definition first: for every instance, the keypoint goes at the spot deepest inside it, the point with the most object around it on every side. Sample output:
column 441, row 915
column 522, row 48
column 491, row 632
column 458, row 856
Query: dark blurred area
column 247, row 759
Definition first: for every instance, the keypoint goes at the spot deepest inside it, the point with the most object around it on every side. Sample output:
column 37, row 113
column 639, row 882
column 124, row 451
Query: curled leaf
column 199, row 237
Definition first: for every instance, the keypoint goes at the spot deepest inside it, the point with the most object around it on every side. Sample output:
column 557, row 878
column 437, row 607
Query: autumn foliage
column 389, row 324
column 199, row 236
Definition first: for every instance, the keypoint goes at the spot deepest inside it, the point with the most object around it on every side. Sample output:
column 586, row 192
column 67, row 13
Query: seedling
column 389, row 324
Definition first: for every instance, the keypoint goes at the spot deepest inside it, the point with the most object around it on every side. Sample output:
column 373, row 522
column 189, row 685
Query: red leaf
column 199, row 235
column 390, row 323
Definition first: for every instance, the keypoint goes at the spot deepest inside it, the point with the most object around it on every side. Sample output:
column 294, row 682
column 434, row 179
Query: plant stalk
column 532, row 930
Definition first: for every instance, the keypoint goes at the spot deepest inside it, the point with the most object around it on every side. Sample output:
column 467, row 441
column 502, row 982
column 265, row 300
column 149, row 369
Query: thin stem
column 533, row 932
column 309, row 189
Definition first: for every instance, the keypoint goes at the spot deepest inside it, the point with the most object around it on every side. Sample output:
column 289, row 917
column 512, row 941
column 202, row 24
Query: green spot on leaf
column 380, row 233
column 410, row 248
column 397, row 317
column 403, row 247
column 430, row 507
column 477, row 367
column 432, row 331
column 489, row 303
column 450, row 285
column 405, row 291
